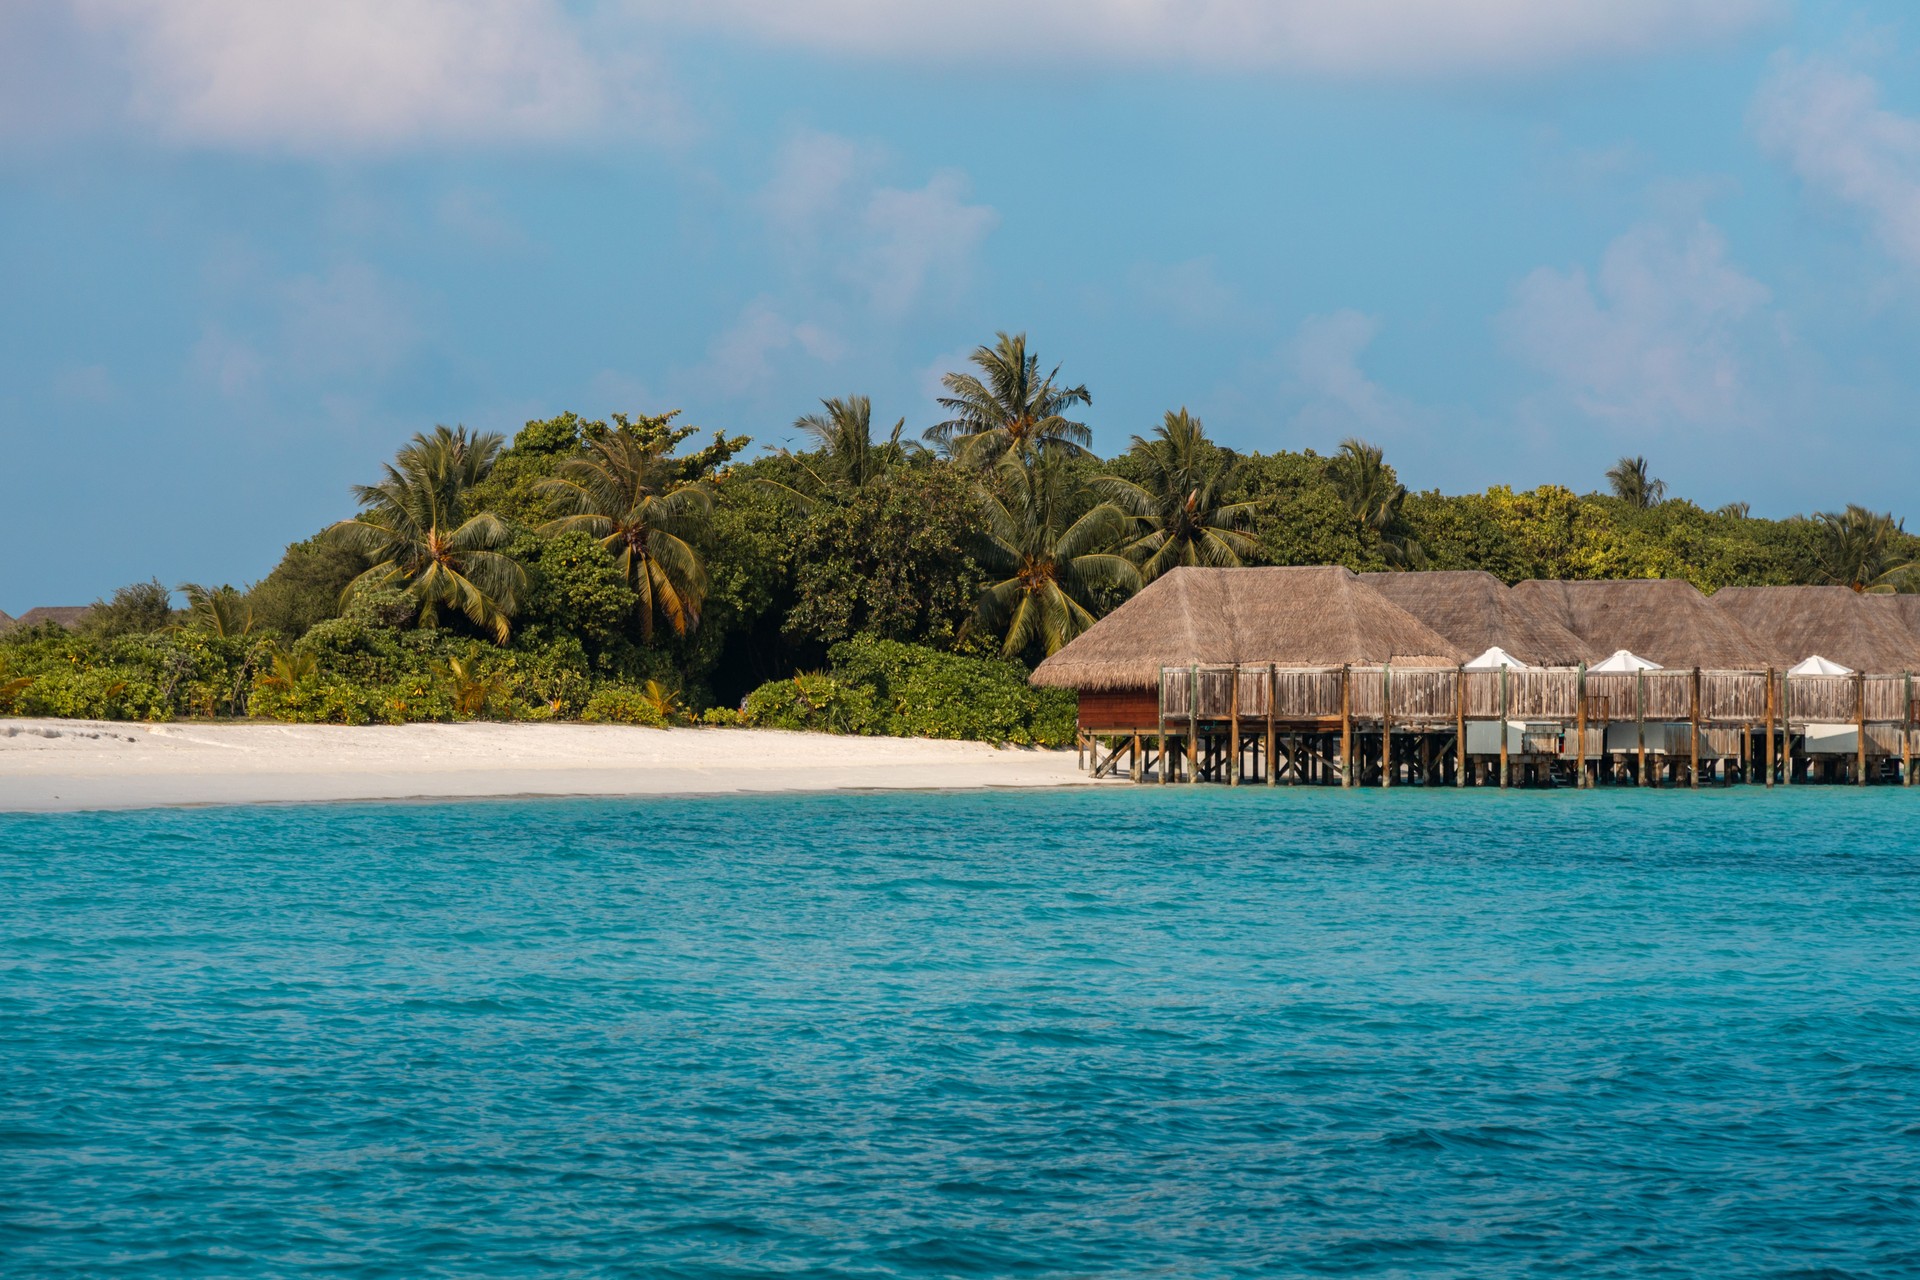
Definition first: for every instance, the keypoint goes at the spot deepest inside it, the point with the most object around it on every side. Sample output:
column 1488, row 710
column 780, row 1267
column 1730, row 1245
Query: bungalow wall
column 1108, row 709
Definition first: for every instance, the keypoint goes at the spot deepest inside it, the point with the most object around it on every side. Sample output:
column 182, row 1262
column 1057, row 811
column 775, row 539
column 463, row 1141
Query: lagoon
column 1119, row 1032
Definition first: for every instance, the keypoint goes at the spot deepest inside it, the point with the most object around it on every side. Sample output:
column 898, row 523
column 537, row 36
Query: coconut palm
column 1008, row 407
column 627, row 493
column 1861, row 549
column 1366, row 484
column 217, row 611
column 1181, row 515
column 1632, row 482
column 416, row 528
column 845, row 459
column 1056, row 543
column 1735, row 510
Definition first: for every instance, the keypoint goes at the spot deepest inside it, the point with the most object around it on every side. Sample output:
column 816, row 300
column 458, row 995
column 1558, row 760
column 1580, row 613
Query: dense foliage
column 616, row 571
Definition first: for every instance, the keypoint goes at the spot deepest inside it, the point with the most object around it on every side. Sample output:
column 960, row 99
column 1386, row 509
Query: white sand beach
column 77, row 764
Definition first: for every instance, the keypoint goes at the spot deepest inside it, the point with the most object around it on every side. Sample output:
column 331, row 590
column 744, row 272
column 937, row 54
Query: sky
column 246, row 250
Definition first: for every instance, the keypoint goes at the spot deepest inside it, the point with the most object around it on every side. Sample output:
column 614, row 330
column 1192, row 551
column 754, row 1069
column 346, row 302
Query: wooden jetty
column 1290, row 677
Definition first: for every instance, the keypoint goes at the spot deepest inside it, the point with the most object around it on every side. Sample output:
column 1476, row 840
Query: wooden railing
column 1414, row 696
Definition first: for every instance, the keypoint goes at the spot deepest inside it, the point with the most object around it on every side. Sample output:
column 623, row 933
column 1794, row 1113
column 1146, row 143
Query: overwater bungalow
column 1316, row 675
column 6, row 622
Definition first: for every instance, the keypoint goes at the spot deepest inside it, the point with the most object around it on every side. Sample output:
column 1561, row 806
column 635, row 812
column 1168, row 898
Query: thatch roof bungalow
column 1662, row 619
column 1300, row 617
column 1475, row 611
column 67, row 615
column 1836, row 623
column 6, row 622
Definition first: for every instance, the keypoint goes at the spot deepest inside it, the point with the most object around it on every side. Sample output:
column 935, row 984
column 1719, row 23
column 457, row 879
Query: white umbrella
column 1819, row 666
column 1495, row 658
column 1623, row 660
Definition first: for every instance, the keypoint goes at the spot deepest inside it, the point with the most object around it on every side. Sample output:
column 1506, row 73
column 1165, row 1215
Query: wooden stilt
column 1640, row 719
column 1460, row 727
column 1233, row 728
column 1693, row 717
column 1503, row 727
column 1860, row 727
column 1193, row 724
column 1770, row 744
column 1386, row 725
column 1580, row 726
column 1906, row 735
column 1346, row 727
column 1273, row 691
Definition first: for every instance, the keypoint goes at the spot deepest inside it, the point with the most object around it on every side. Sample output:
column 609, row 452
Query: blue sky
column 245, row 249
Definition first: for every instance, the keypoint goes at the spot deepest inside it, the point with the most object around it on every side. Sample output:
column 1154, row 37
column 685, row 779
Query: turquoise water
column 1127, row 1032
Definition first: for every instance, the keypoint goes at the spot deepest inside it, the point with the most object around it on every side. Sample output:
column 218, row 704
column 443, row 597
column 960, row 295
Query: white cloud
column 1827, row 123
column 1323, row 365
column 1339, row 36
column 740, row 360
column 921, row 238
column 1655, row 337
column 232, row 367
column 362, row 73
column 813, row 180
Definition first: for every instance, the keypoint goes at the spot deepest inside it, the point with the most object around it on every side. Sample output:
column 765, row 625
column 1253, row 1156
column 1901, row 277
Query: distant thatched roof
column 1796, row 623
column 6, row 622
column 67, row 615
column 1322, row 616
column 1664, row 619
column 1476, row 611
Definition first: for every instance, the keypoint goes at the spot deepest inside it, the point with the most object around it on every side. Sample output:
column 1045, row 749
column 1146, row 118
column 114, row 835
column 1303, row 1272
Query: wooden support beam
column 1906, row 735
column 1193, row 724
column 1346, row 727
column 1770, row 743
column 1860, row 727
column 1273, row 690
column 1503, row 727
column 1693, row 750
column 1386, row 725
column 1233, row 727
column 1580, row 727
column 1460, row 726
column 1640, row 720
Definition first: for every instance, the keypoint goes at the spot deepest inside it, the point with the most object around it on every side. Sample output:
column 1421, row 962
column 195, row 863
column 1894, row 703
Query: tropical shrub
column 627, row 704
column 924, row 693
column 815, row 702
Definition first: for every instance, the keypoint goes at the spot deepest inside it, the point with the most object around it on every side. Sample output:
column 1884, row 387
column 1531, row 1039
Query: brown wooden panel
column 1119, row 708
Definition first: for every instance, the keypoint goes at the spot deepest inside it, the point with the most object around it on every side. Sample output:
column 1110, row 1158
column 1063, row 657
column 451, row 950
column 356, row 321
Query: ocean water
column 1116, row 1033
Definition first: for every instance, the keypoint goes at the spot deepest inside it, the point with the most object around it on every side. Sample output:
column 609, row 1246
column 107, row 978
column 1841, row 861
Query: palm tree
column 1633, row 483
column 1736, row 510
column 416, row 529
column 1009, row 408
column 846, row 460
column 217, row 611
column 1860, row 549
column 1181, row 514
column 1366, row 484
column 1056, row 550
column 626, row 492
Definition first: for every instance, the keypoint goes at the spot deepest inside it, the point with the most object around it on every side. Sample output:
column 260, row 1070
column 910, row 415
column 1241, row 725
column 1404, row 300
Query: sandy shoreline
column 86, row 764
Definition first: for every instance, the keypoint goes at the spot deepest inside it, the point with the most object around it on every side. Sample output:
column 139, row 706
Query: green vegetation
column 618, row 571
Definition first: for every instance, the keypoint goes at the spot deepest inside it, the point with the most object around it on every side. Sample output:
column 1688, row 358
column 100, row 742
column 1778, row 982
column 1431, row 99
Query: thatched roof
column 1902, row 609
column 6, row 622
column 1321, row 616
column 1664, row 619
column 1475, row 611
column 1796, row 623
column 67, row 615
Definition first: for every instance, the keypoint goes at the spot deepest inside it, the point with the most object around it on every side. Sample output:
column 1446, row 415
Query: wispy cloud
column 360, row 74
column 1661, row 334
column 1827, row 123
column 1417, row 37
column 1323, row 361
